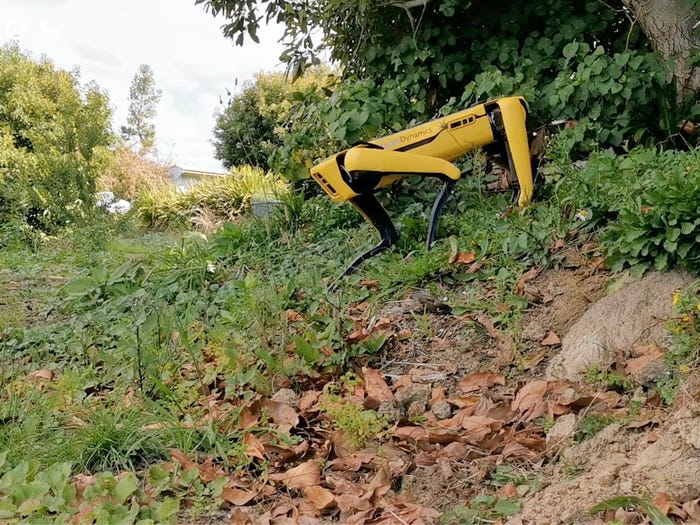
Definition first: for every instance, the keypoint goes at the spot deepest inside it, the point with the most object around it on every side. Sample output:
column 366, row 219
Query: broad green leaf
column 125, row 487
column 570, row 50
column 305, row 350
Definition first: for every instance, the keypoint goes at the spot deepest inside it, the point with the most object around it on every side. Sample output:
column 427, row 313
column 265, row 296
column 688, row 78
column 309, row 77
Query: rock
column 534, row 332
column 635, row 314
column 286, row 396
column 416, row 408
column 442, row 409
column 563, row 430
column 407, row 395
column 391, row 409
column 104, row 198
column 119, row 207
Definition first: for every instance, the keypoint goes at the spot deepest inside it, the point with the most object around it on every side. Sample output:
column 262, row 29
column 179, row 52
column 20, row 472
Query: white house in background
column 184, row 179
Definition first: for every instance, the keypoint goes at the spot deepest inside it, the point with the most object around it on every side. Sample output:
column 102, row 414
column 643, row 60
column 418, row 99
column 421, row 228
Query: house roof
column 178, row 171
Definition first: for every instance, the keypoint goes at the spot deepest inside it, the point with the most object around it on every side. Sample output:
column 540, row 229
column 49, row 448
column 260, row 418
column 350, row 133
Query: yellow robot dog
column 427, row 150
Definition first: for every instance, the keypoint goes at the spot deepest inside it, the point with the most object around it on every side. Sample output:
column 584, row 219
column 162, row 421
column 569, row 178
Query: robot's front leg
column 372, row 210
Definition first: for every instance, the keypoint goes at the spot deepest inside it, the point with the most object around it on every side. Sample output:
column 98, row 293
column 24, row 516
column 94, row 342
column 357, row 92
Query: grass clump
column 209, row 203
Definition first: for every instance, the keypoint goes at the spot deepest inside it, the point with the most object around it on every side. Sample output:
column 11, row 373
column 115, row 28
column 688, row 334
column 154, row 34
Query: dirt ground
column 654, row 454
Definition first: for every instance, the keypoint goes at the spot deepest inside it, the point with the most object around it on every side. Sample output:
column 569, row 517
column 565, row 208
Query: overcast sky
column 192, row 61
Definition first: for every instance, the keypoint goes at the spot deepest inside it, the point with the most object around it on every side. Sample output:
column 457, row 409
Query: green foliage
column 591, row 425
column 254, row 122
column 143, row 102
column 114, row 439
column 685, row 348
column 209, row 202
column 244, row 132
column 644, row 203
column 618, row 97
column 53, row 134
column 358, row 425
column 608, row 378
column 482, row 508
column 656, row 516
column 660, row 226
column 31, row 494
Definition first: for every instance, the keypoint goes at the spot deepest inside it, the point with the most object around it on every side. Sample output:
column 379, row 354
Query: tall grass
column 211, row 202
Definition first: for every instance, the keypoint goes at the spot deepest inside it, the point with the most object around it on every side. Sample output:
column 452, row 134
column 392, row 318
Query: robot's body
column 427, row 150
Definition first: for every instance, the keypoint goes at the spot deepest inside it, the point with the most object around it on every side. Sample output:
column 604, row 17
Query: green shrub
column 209, row 203
column 643, row 202
column 53, row 134
column 660, row 226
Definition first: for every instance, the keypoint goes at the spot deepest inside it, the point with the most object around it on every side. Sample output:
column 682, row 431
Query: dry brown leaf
column 41, row 375
column 209, row 472
column 83, row 481
column 76, row 422
column 254, row 447
column 293, row 316
column 284, row 416
column 369, row 283
column 404, row 334
column 509, row 490
column 504, row 342
column 478, row 380
column 462, row 258
column 353, row 462
column 319, row 497
column 464, row 401
column 281, row 454
column 236, row 496
column 250, row 414
column 667, row 505
column 182, row 458
column 478, row 427
column 358, row 334
column 375, row 385
column 526, row 278
column 692, row 508
column 515, row 450
column 529, row 395
column 552, row 339
column 240, row 517
column 404, row 510
column 304, row 475
column 420, row 434
column 308, row 400
column 646, row 354
column 380, row 484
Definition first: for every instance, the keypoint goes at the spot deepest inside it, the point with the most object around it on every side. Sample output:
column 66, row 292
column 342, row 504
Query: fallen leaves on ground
column 304, row 469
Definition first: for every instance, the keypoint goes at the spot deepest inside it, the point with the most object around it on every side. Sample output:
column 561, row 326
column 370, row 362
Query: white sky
column 192, row 61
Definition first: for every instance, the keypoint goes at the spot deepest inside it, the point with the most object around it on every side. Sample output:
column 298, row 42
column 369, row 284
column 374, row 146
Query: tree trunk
column 671, row 27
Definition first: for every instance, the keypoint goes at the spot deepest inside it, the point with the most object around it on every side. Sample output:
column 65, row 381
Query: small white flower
column 211, row 267
column 582, row 215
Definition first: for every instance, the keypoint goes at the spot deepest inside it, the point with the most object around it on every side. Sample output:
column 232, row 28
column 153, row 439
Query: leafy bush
column 644, row 201
column 53, row 134
column 660, row 226
column 616, row 97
